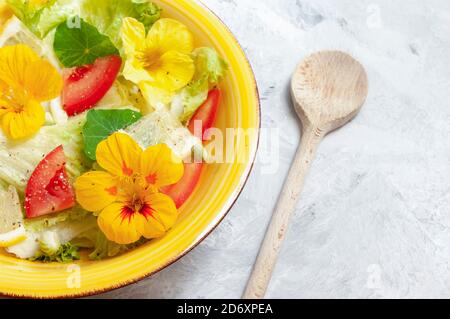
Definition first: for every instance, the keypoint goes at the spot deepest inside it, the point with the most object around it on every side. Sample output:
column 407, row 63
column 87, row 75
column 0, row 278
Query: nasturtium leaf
column 102, row 123
column 78, row 43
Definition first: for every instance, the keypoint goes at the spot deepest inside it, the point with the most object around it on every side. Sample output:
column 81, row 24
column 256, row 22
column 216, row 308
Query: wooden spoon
column 328, row 90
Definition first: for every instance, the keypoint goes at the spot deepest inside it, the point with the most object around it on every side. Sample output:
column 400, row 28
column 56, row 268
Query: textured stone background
column 374, row 218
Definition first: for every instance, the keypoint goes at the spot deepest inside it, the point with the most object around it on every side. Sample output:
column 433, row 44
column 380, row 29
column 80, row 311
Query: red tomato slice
column 86, row 85
column 207, row 114
column 181, row 191
column 48, row 190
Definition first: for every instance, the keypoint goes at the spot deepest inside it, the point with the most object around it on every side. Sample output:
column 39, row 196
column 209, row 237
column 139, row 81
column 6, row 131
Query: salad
column 97, row 110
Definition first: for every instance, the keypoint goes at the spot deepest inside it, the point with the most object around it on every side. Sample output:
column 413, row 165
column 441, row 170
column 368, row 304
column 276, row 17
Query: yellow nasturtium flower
column 159, row 62
column 126, row 194
column 26, row 81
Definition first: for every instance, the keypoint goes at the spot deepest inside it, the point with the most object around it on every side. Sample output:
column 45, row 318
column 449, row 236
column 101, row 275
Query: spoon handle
column 265, row 263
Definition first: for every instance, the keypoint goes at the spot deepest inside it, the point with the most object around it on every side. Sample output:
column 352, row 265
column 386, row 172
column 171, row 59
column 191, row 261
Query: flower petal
column 162, row 218
column 95, row 190
column 25, row 123
column 118, row 227
column 160, row 166
column 175, row 71
column 119, row 154
column 133, row 34
column 14, row 61
column 134, row 73
column 154, row 95
column 169, row 34
column 42, row 81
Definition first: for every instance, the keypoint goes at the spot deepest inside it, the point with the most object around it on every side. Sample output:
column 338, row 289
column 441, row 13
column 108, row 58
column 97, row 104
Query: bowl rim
column 226, row 209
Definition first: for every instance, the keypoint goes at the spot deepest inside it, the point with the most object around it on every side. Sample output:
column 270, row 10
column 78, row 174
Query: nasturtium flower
column 26, row 80
column 159, row 62
column 126, row 195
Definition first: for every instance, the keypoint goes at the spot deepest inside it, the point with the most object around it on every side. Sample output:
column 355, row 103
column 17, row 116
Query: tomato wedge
column 86, row 85
column 48, row 190
column 206, row 114
column 181, row 191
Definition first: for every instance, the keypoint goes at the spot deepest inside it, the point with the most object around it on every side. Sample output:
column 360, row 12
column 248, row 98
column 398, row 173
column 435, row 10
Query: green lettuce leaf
column 54, row 15
column 65, row 254
column 78, row 45
column 146, row 12
column 102, row 123
column 42, row 18
column 107, row 15
column 123, row 95
column 42, row 223
column 53, row 233
column 49, row 243
column 210, row 69
column 102, row 247
column 29, row 13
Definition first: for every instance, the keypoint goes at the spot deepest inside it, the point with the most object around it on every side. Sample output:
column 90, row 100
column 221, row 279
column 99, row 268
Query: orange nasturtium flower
column 26, row 80
column 126, row 194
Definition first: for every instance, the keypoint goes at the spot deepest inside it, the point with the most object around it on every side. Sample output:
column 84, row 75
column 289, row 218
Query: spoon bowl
column 328, row 89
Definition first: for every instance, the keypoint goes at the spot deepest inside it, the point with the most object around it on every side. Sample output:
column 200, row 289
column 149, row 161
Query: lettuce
column 210, row 69
column 147, row 12
column 48, row 236
column 107, row 15
column 123, row 94
column 64, row 254
column 41, row 18
column 102, row 247
column 55, row 14
column 45, row 222
column 162, row 126
column 28, row 12
column 49, row 243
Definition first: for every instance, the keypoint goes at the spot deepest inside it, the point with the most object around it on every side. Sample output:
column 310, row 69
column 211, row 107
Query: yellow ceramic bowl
column 219, row 187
